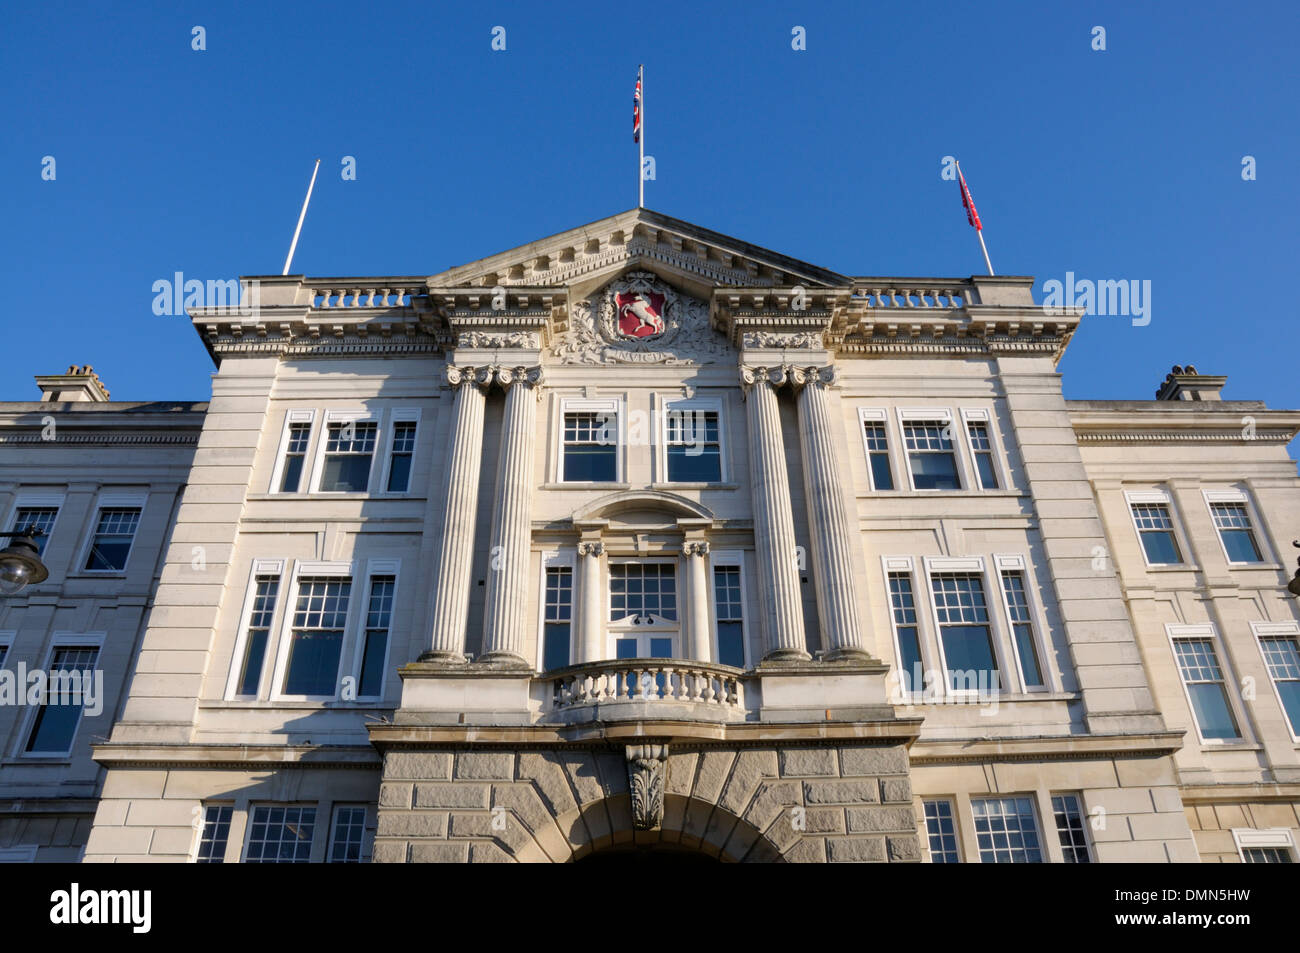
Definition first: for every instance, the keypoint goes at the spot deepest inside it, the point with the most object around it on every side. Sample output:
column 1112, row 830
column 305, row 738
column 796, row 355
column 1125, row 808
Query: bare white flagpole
column 640, row 163
column 979, row 231
column 301, row 215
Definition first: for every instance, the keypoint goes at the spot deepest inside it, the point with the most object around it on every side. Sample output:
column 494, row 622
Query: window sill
column 340, row 495
column 97, row 574
column 585, row 486
column 33, row 758
column 694, row 486
column 263, row 704
column 1230, row 746
column 1272, row 567
column 1174, row 567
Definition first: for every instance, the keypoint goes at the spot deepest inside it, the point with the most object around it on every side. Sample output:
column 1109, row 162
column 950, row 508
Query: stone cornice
column 1044, row 748
column 1185, row 422
column 237, row 756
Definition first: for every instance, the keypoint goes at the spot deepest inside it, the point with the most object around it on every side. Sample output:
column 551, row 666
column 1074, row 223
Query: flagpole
column 979, row 231
column 301, row 215
column 640, row 163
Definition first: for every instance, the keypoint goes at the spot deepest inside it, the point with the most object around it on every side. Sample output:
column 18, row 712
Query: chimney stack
column 1184, row 383
column 78, row 384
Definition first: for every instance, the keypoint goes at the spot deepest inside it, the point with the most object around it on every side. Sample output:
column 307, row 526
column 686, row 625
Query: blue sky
column 1122, row 164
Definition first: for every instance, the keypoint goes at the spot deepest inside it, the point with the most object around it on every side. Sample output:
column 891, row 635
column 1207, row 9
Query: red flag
column 968, row 203
column 636, row 111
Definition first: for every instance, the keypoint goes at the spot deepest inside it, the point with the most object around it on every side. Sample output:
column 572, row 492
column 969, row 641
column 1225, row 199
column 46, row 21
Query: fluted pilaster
column 511, row 541
column 774, row 539
column 451, row 602
column 829, row 530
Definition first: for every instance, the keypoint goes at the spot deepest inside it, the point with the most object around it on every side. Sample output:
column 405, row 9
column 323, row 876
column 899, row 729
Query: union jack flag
column 636, row 110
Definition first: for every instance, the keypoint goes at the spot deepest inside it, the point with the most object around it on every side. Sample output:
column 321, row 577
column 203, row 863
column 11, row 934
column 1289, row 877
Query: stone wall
column 751, row 804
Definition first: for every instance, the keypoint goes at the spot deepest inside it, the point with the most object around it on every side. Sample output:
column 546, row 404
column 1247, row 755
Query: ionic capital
column 696, row 547
column 488, row 375
column 779, row 375
column 590, row 548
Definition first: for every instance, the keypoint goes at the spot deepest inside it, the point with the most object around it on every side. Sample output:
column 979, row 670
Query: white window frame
column 955, row 813
column 374, row 567
column 277, row 471
column 944, row 415
column 366, row 847
column 878, row 415
column 1036, row 812
column 312, row 569
column 1245, row 837
column 1180, row 540
column 612, row 633
column 1089, row 847
column 322, row 441
column 63, row 640
column 1015, row 562
column 202, row 826
column 975, row 415
column 577, row 405
column 726, row 559
column 557, row 559
column 22, row 854
column 972, row 565
column 260, row 567
column 399, row 415
column 1207, row 630
column 670, row 404
column 251, row 809
column 1272, row 630
column 920, row 595
column 1266, row 555
column 110, row 501
column 26, row 501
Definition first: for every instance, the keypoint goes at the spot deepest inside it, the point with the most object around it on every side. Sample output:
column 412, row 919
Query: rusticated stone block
column 412, row 824
column 810, row 850
column 523, row 802
column 581, row 768
column 681, row 772
column 904, row 848
column 870, row 761
column 548, row 775
column 855, row 850
column 443, row 853
column 389, row 852
column 451, row 794
column 809, row 762
column 865, row 791
column 485, row 765
column 749, row 771
column 773, row 798
column 418, row 766
column 872, row 820
column 395, row 794
column 488, row 853
column 715, row 767
column 896, row 790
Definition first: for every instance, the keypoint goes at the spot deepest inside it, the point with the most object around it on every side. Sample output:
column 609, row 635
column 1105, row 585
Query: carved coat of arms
column 639, row 319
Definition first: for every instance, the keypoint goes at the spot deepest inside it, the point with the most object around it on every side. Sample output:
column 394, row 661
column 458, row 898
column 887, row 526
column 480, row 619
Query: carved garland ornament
column 647, row 773
column 639, row 319
column 495, row 339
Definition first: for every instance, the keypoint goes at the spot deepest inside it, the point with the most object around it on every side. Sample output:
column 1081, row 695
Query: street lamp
column 20, row 561
column 1294, row 586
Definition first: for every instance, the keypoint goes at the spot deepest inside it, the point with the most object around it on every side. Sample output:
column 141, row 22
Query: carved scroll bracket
column 647, row 774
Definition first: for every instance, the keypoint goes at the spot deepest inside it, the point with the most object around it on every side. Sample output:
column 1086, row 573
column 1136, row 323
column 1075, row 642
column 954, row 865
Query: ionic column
column 773, row 521
column 828, row 524
column 451, row 603
column 699, row 644
column 591, row 631
column 511, row 541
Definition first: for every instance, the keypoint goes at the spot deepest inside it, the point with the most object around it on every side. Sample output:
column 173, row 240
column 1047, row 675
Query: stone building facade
column 101, row 479
column 641, row 541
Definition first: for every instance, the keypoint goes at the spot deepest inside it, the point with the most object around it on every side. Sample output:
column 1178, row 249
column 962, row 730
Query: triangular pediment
column 692, row 258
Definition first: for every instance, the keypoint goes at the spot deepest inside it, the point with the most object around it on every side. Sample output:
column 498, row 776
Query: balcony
column 623, row 689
